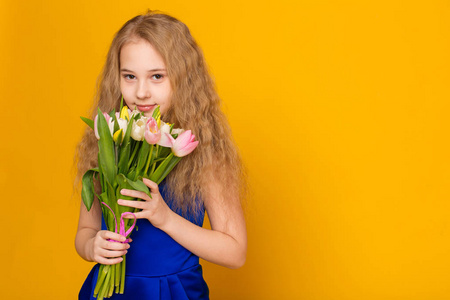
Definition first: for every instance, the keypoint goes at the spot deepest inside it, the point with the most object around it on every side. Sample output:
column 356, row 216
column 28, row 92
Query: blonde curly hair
column 195, row 105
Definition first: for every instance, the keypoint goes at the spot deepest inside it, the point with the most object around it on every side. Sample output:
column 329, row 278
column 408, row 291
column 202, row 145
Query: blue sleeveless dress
column 157, row 267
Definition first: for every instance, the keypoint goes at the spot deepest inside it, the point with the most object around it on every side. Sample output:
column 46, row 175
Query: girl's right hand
column 107, row 252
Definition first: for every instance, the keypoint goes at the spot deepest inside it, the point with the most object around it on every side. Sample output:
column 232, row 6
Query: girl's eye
column 129, row 76
column 157, row 76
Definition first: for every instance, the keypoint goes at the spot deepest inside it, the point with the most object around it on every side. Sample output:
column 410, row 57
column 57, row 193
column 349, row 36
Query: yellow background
column 340, row 109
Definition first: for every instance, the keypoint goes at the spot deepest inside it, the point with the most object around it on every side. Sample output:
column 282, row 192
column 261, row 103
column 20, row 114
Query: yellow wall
column 340, row 109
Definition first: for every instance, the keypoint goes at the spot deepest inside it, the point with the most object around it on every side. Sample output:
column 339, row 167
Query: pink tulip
column 166, row 138
column 184, row 144
column 152, row 133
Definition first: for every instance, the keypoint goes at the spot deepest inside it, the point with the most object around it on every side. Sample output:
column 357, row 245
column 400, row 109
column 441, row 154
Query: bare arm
column 225, row 244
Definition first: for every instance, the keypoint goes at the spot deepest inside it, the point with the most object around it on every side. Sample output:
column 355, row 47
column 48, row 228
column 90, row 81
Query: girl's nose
column 143, row 90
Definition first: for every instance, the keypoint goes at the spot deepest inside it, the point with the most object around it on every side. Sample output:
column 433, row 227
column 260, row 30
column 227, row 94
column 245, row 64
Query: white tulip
column 138, row 129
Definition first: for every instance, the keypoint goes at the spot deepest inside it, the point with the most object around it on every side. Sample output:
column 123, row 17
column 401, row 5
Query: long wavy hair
column 195, row 105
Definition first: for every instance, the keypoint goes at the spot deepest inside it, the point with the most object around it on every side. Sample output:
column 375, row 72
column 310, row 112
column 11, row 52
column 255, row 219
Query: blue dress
column 157, row 267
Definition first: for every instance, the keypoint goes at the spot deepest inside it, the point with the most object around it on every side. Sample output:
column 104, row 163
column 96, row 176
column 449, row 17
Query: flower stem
column 118, row 274
column 105, row 286
column 149, row 160
column 101, row 276
column 111, row 282
column 154, row 164
column 132, row 155
column 122, row 281
column 116, row 148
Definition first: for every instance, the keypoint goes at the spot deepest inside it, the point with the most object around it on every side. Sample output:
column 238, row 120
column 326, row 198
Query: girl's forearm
column 211, row 245
column 84, row 237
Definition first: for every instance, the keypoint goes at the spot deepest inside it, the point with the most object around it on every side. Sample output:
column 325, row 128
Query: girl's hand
column 107, row 252
column 154, row 209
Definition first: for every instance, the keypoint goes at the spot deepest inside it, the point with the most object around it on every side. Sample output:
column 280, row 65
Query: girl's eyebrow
column 152, row 70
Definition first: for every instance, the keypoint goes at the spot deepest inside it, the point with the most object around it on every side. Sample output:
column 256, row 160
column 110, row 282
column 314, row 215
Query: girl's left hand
column 154, row 209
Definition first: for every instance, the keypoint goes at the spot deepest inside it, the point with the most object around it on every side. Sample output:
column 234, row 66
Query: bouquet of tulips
column 131, row 147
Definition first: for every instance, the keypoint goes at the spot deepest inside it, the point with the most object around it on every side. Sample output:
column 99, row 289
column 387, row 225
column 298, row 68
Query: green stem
column 122, row 281
column 117, row 279
column 116, row 148
column 149, row 160
column 153, row 169
column 101, row 276
column 111, row 282
column 154, row 165
column 105, row 287
column 133, row 154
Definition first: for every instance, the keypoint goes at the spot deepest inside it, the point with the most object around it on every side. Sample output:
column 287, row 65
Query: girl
column 153, row 60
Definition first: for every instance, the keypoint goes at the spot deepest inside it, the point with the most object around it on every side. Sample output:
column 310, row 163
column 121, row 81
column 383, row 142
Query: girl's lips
column 145, row 108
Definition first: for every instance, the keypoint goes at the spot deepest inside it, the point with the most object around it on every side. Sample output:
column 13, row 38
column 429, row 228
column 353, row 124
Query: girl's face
column 143, row 78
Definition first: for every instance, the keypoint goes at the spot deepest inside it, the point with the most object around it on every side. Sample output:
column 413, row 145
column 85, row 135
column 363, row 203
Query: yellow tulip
column 118, row 135
column 124, row 113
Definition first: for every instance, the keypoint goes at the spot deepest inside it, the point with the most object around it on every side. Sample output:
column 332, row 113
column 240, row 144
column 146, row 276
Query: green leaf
column 123, row 184
column 125, row 150
column 107, row 216
column 116, row 123
column 132, row 173
column 87, row 191
column 143, row 156
column 161, row 169
column 124, row 158
column 164, row 152
column 89, row 122
column 165, row 168
column 127, row 136
column 156, row 113
column 137, row 185
column 107, row 162
column 111, row 200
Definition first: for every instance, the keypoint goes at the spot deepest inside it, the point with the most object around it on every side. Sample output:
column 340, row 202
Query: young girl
column 154, row 60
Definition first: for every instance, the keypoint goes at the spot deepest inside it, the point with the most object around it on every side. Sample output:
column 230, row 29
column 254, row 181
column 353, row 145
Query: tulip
column 184, row 144
column 123, row 124
column 118, row 136
column 124, row 113
column 134, row 112
column 166, row 139
column 177, row 131
column 152, row 133
column 138, row 129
